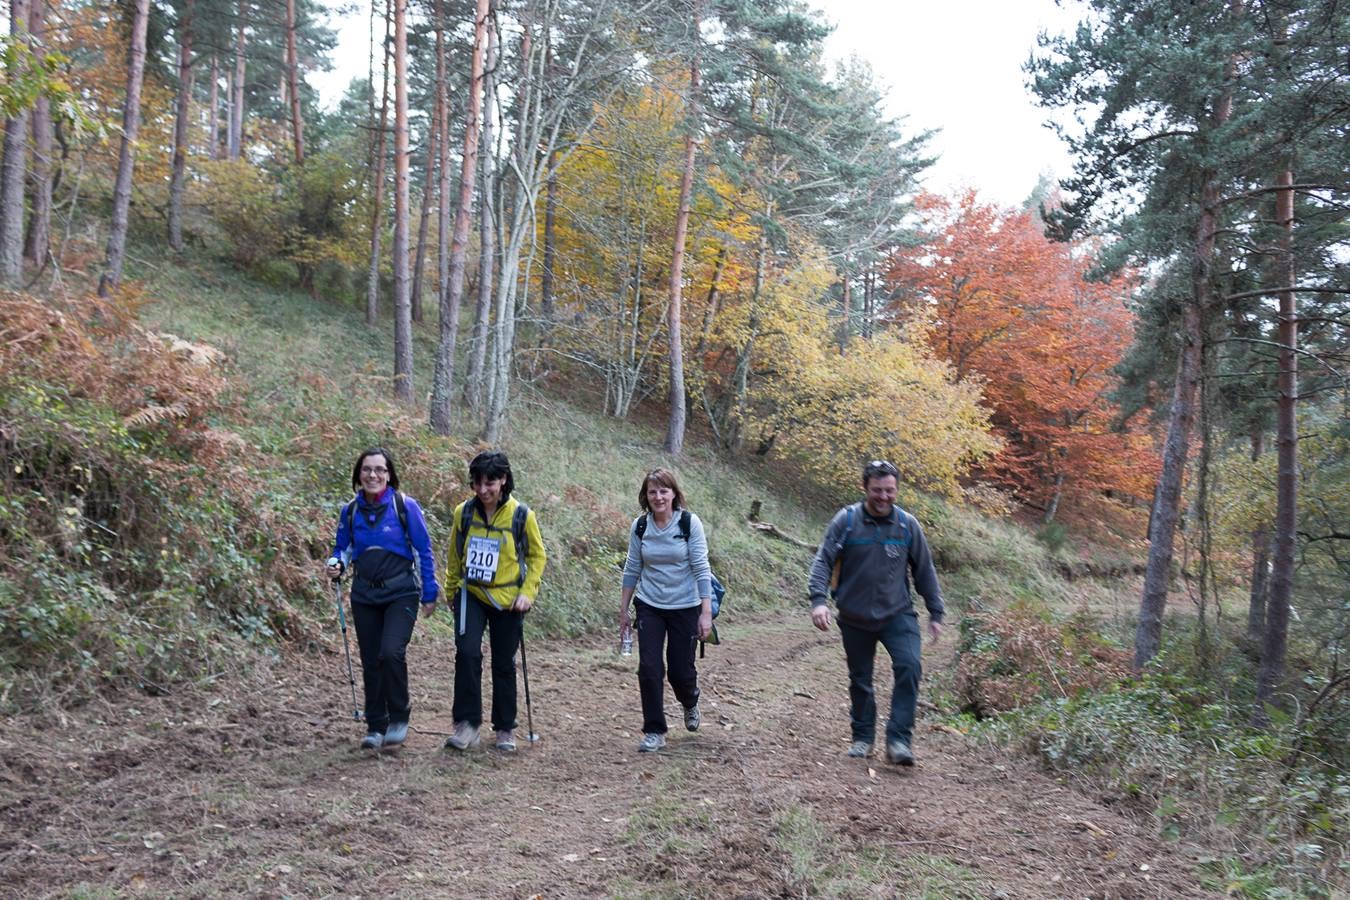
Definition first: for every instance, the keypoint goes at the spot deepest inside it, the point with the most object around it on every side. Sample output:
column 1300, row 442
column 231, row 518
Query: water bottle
column 626, row 642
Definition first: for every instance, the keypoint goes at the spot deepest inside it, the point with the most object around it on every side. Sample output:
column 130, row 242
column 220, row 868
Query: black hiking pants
column 676, row 632
column 900, row 636
column 382, row 633
column 504, row 628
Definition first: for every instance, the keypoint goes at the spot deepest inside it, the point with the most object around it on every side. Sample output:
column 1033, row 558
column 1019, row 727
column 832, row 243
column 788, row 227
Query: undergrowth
column 1176, row 746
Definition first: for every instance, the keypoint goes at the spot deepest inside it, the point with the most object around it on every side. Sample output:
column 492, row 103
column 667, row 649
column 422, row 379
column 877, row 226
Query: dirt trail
column 258, row 789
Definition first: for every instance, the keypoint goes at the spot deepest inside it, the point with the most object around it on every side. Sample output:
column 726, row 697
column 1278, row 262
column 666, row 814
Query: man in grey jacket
column 875, row 546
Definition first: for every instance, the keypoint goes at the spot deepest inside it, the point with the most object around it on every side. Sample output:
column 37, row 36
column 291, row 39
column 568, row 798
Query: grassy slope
column 315, row 377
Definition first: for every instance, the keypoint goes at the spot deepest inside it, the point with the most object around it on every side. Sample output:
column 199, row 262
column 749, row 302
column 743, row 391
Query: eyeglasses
column 371, row 470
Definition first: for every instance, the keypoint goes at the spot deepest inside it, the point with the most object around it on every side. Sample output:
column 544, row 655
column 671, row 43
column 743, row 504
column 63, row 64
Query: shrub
column 1018, row 655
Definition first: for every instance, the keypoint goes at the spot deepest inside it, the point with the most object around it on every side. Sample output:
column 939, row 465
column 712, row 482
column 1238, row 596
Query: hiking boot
column 464, row 736
column 692, row 718
column 651, row 743
column 860, row 749
column 395, row 734
column 506, row 741
column 373, row 740
column 898, row 752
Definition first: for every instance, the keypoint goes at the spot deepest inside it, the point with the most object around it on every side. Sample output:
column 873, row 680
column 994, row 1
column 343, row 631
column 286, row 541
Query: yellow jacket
column 496, row 555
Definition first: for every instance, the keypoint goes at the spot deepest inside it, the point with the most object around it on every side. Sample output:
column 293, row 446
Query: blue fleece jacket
column 387, row 534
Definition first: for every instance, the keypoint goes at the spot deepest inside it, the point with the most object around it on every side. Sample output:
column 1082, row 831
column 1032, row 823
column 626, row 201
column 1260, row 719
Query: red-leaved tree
column 1004, row 304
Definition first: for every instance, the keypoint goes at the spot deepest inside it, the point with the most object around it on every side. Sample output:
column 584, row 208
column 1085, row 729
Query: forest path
column 257, row 788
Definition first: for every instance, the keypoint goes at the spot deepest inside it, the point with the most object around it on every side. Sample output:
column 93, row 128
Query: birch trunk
column 675, row 423
column 487, row 232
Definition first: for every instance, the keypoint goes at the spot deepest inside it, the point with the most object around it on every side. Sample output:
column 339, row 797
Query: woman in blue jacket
column 384, row 536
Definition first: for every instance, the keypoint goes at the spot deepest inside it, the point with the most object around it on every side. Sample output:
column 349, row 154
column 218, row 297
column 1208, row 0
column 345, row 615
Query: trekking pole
column 525, row 672
column 346, row 645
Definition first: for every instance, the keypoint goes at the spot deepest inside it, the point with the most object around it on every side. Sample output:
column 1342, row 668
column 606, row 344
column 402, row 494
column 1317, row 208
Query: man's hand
column 522, row 603
column 935, row 631
column 820, row 617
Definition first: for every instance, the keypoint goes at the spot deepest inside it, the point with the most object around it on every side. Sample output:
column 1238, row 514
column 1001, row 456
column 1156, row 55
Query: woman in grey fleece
column 667, row 573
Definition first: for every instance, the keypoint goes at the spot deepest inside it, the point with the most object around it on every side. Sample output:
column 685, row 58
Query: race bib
column 484, row 554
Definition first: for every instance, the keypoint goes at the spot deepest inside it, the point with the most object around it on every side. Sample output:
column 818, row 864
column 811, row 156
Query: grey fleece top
column 666, row 571
column 878, row 556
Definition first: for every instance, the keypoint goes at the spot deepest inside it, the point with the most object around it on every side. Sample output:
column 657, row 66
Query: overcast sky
column 953, row 65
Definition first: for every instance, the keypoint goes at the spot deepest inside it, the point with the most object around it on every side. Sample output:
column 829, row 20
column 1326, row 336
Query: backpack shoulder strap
column 465, row 520
column 350, row 513
column 685, row 517
column 518, row 535
column 640, row 528
column 401, row 508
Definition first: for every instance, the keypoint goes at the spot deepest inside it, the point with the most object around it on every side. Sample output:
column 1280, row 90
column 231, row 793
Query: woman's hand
column 333, row 568
column 428, row 608
column 704, row 624
column 522, row 603
column 625, row 623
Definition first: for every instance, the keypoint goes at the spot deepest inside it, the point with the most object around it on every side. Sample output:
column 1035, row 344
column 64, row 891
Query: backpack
column 517, row 534
column 719, row 591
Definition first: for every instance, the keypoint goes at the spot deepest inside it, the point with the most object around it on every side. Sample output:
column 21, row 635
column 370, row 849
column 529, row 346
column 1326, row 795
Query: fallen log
column 773, row 530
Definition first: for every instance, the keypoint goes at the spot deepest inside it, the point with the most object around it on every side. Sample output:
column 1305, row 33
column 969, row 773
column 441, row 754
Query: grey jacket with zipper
column 877, row 558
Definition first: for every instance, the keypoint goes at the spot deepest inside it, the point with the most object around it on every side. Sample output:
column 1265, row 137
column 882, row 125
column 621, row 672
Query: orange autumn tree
column 1001, row 301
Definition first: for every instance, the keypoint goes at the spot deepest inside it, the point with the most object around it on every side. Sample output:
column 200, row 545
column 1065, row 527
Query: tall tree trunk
column 424, row 216
column 403, row 353
column 845, row 309
column 131, row 123
column 237, row 85
column 1256, row 602
column 452, row 294
column 178, row 177
column 487, row 234
column 503, row 333
column 1276, row 638
column 1167, row 500
column 40, row 177
column 293, row 85
column 13, row 169
column 733, row 430
column 675, row 424
column 550, row 248
column 441, row 377
column 869, row 301
column 213, row 119
column 377, row 210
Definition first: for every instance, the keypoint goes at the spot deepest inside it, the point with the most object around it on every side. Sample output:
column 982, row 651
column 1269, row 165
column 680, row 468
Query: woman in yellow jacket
column 491, row 588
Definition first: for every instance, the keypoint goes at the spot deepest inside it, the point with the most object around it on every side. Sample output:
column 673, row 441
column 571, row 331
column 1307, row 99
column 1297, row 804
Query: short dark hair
column 879, row 468
column 492, row 464
column 388, row 462
column 663, row 478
